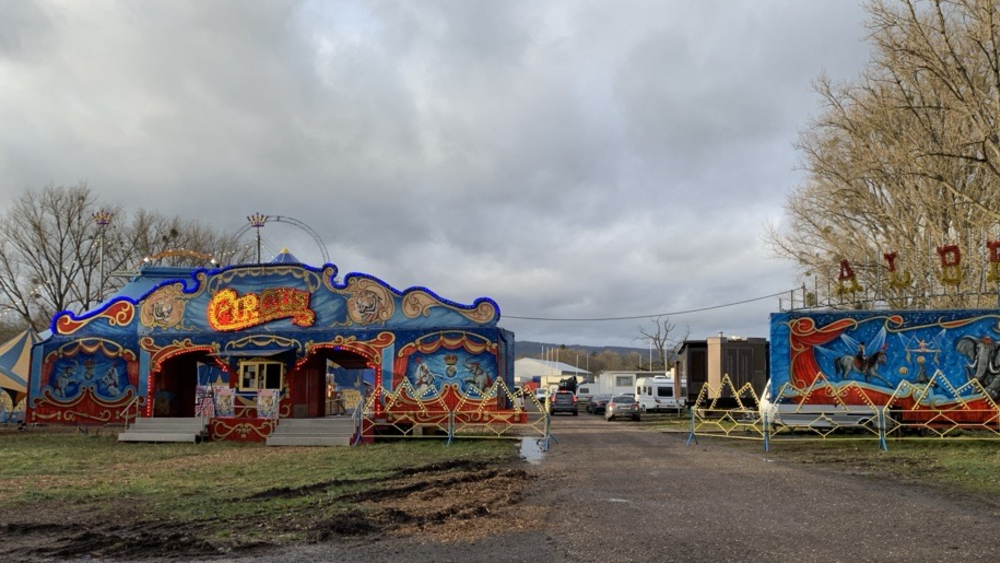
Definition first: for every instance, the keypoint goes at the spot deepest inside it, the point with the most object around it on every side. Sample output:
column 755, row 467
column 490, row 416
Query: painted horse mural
column 867, row 366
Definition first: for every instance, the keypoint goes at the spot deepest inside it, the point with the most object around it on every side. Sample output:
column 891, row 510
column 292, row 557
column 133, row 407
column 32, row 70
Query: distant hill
column 527, row 349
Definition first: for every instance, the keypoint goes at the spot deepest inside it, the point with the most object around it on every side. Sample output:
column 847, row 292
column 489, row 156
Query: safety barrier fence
column 846, row 411
column 494, row 413
column 227, row 403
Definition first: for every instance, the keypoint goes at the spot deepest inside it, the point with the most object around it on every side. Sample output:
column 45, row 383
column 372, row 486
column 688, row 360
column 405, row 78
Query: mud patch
column 350, row 524
column 453, row 500
column 445, row 501
column 306, row 490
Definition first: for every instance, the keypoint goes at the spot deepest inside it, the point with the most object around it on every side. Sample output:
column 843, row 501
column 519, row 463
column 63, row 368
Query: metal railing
column 400, row 415
column 819, row 412
column 357, row 415
column 124, row 412
column 245, row 405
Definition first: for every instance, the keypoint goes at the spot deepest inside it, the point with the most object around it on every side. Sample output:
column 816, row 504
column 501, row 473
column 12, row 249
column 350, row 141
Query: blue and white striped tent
column 15, row 364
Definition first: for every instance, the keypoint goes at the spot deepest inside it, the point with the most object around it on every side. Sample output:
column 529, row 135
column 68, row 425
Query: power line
column 673, row 314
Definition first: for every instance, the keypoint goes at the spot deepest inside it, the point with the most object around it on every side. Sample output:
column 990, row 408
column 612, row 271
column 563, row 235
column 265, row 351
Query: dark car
column 622, row 406
column 563, row 401
column 598, row 404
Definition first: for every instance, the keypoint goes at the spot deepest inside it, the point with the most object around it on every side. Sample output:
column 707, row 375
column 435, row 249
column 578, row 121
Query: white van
column 657, row 394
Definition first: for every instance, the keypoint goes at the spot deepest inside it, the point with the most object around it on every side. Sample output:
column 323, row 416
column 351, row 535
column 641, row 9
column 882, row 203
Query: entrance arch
column 330, row 382
column 174, row 389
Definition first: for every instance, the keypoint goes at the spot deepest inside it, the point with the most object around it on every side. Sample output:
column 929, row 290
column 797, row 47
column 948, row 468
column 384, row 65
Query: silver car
column 622, row 406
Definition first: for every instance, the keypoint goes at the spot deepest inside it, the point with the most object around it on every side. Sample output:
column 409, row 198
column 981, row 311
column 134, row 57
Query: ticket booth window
column 261, row 374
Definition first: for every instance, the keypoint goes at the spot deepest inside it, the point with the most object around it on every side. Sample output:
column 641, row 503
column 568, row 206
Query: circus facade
column 922, row 362
column 250, row 345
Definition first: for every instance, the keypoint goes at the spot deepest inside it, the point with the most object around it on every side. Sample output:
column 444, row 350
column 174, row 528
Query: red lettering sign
column 229, row 311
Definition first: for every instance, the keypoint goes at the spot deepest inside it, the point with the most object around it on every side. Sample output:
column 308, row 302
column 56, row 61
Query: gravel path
column 631, row 495
column 617, row 492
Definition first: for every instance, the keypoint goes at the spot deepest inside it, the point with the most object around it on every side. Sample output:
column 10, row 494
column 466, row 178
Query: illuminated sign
column 229, row 311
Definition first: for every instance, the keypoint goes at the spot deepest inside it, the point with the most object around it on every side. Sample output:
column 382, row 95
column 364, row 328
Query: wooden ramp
column 330, row 431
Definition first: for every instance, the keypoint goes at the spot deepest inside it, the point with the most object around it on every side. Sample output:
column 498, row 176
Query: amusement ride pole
column 102, row 218
column 257, row 221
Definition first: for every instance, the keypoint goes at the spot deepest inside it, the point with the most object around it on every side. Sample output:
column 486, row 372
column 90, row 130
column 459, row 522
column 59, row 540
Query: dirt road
column 618, row 492
column 635, row 496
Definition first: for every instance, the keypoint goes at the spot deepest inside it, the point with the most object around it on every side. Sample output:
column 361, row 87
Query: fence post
column 767, row 432
column 451, row 427
column 691, row 436
column 548, row 430
column 882, row 445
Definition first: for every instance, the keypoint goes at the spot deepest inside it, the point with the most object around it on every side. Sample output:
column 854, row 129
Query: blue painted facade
column 171, row 330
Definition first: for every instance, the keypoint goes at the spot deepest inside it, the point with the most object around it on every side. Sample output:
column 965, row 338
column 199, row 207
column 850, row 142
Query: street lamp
column 257, row 221
column 102, row 218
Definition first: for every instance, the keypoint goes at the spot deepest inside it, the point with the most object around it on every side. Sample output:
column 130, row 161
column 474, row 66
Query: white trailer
column 586, row 391
column 623, row 382
column 656, row 394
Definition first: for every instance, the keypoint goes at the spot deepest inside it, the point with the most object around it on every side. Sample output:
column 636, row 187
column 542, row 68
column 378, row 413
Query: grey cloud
column 569, row 159
column 24, row 30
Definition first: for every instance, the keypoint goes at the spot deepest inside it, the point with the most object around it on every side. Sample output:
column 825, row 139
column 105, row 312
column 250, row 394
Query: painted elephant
column 984, row 353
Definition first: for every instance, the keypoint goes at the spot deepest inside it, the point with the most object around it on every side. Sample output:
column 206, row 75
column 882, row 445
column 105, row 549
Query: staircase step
column 188, row 427
column 164, row 429
column 304, row 440
column 158, row 437
column 312, row 432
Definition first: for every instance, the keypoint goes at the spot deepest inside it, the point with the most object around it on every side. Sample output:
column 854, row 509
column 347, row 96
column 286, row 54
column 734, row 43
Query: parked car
column 598, row 404
column 622, row 406
column 563, row 401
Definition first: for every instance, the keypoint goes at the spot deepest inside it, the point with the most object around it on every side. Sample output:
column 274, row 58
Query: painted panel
column 950, row 356
column 88, row 380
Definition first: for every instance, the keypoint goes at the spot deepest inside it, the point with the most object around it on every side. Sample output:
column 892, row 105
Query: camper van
column 656, row 394
column 618, row 382
column 586, row 391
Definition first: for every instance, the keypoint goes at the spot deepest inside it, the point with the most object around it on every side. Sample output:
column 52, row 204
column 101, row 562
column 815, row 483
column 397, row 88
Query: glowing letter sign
column 228, row 311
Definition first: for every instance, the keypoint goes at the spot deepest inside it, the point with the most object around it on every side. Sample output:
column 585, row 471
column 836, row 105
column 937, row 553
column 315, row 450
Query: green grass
column 967, row 467
column 959, row 463
column 209, row 482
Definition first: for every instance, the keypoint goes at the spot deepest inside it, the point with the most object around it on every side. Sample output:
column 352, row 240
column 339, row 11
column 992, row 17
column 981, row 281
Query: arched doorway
column 330, row 382
column 177, row 384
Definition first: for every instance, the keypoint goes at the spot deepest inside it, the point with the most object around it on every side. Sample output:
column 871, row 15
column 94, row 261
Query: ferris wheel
column 258, row 220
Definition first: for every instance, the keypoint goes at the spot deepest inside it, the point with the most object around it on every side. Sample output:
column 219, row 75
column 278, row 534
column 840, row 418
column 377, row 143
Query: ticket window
column 261, row 374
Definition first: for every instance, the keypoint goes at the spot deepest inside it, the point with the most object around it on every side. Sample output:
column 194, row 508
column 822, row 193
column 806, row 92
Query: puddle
column 531, row 450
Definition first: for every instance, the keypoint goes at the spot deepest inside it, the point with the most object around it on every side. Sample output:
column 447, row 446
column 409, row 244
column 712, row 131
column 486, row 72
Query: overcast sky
column 568, row 159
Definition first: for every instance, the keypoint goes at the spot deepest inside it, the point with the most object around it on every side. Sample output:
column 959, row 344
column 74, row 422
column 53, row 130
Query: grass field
column 86, row 495
column 223, row 493
column 962, row 463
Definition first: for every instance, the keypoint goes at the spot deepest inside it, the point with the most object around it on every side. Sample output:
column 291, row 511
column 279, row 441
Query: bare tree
column 56, row 255
column 46, row 252
column 146, row 237
column 659, row 339
column 904, row 160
